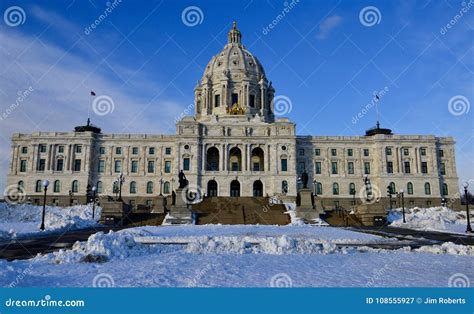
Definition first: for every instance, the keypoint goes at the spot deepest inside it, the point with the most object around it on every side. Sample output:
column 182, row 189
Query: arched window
column 319, row 188
column 445, row 189
column 335, row 189
column 284, row 186
column 99, row 187
column 57, row 186
column 410, row 188
column 427, row 189
column 212, row 156
column 393, row 188
column 257, row 159
column 133, row 187
column 21, row 186
column 352, row 188
column 235, row 159
column 149, row 187
column 75, row 186
column 38, row 186
column 166, row 188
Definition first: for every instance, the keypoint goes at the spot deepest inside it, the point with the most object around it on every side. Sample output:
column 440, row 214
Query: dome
column 234, row 83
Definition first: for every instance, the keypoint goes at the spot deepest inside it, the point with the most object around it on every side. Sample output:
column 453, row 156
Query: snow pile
column 291, row 210
column 433, row 218
column 24, row 219
column 448, row 248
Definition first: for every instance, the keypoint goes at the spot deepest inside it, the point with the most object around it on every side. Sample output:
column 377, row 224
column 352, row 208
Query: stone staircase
column 341, row 218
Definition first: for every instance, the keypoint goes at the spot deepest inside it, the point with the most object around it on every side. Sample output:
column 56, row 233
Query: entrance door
column 257, row 188
column 235, row 188
column 212, row 188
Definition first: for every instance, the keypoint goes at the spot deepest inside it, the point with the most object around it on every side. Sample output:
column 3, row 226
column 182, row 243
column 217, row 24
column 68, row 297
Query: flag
column 92, row 93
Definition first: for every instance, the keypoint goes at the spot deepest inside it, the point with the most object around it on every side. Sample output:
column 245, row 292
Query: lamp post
column 368, row 188
column 70, row 197
column 315, row 194
column 45, row 185
column 94, row 191
column 161, row 186
column 403, row 204
column 468, row 228
column 120, row 181
column 353, row 193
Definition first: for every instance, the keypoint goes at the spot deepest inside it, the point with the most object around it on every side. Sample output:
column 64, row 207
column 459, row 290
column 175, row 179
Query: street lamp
column 368, row 188
column 70, row 197
column 45, row 185
column 161, row 186
column 94, row 191
column 403, row 204
column 120, row 181
column 468, row 228
column 315, row 194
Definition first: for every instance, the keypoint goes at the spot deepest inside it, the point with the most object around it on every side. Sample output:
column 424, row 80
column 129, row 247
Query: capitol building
column 234, row 145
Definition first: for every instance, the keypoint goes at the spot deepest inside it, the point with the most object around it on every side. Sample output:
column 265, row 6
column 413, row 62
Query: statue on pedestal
column 183, row 182
column 304, row 179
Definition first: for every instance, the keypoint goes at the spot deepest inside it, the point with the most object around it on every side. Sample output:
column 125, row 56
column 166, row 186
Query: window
column 317, row 152
column 252, row 101
column 61, row 149
column 407, row 166
column 284, row 164
column 75, row 186
column 366, row 152
column 149, row 203
column 167, row 166
column 23, row 165
column 38, row 186
column 186, row 164
column 406, row 152
column 77, row 165
column 78, row 149
column 424, row 167
column 319, row 188
column 352, row 189
column 118, row 150
column 317, row 167
column 217, row 100
column 151, row 166
column 57, row 186
column 168, row 150
column 445, row 189
column 427, row 188
column 41, row 164
column 59, row 164
column 149, row 187
column 256, row 166
column 350, row 152
column 333, row 152
column 42, row 148
column 334, row 167
column 24, row 150
column 389, row 167
column 151, row 150
column 133, row 187
column 101, row 166
column 388, row 151
column 102, row 150
column 441, row 153
column 335, row 189
column 350, row 167
column 423, row 151
column 100, row 187
column 235, row 98
column 134, row 168
column 166, row 188
column 442, row 168
column 118, row 166
column 301, row 167
column 392, row 187
column 410, row 188
column 234, row 166
column 366, row 167
column 300, row 152
column 134, row 150
column 284, row 187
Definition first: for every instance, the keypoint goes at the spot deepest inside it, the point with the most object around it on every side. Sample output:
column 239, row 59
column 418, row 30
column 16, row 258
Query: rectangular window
column 118, row 166
column 134, row 150
column 366, row 152
column 151, row 166
column 134, row 167
column 256, row 166
column 388, row 151
column 168, row 150
column 423, row 151
column 424, row 167
column 151, row 150
column 284, row 165
column 317, row 152
column 252, row 101
column 101, row 166
column 118, row 150
column 301, row 152
column 235, row 99
column 442, row 168
column 59, row 165
column 333, row 152
column 186, row 164
column 407, row 167
column 24, row 150
column 78, row 149
column 167, row 166
column 406, row 152
column 61, row 149
column 234, row 166
column 217, row 100
column 334, row 167
column 441, row 153
column 77, row 165
column 102, row 150
column 366, row 167
column 22, row 165
column 42, row 148
column 350, row 152
column 317, row 167
column 350, row 167
column 389, row 167
column 301, row 167
column 41, row 164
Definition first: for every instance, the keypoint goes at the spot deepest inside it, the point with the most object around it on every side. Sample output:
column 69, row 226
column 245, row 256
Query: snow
column 24, row 219
column 434, row 218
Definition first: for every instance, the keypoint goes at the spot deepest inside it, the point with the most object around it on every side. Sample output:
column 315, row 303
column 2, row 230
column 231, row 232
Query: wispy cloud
column 327, row 26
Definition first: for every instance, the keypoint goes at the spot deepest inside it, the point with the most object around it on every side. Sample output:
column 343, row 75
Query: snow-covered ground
column 239, row 256
column 433, row 218
column 22, row 219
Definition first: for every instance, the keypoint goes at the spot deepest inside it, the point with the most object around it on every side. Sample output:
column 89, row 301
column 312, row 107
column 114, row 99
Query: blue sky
column 320, row 55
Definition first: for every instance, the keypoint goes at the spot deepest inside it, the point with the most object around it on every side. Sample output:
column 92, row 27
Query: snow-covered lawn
column 238, row 256
column 434, row 218
column 21, row 220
